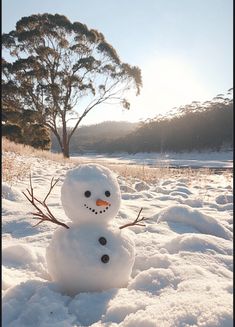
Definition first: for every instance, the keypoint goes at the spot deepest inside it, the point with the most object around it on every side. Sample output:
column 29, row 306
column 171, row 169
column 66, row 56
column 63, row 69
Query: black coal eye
column 87, row 194
column 107, row 193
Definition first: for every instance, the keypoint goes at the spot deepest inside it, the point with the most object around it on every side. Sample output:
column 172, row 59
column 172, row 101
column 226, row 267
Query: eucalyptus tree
column 62, row 71
column 21, row 125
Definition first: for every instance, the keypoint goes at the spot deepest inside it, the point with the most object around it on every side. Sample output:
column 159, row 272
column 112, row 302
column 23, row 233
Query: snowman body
column 90, row 258
column 91, row 255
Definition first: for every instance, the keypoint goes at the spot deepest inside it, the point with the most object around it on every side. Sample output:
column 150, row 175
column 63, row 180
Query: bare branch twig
column 135, row 222
column 40, row 214
column 52, row 185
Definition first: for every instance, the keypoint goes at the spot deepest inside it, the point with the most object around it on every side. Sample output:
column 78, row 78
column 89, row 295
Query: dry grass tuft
column 14, row 169
column 26, row 150
column 159, row 173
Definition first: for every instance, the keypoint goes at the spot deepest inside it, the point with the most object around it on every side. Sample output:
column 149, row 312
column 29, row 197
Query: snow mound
column 194, row 202
column 143, row 263
column 183, row 190
column 224, row 199
column 176, row 193
column 141, row 186
column 89, row 307
column 179, row 311
column 125, row 303
column 18, row 255
column 127, row 189
column 34, row 303
column 9, row 193
column 154, row 280
column 162, row 190
column 20, row 262
column 198, row 243
column 203, row 223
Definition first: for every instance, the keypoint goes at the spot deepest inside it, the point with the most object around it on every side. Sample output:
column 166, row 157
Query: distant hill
column 192, row 127
column 86, row 138
column 197, row 126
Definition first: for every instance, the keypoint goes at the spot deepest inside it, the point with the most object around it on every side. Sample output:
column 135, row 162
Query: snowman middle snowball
column 91, row 255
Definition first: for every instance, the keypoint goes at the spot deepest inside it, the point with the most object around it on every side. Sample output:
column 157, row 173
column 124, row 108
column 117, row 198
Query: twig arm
column 136, row 222
column 40, row 214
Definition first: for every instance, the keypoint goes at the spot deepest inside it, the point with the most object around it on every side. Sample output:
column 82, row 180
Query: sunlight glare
column 167, row 83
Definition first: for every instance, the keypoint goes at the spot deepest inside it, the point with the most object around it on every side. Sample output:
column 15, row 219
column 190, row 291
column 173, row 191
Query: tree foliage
column 22, row 127
column 58, row 66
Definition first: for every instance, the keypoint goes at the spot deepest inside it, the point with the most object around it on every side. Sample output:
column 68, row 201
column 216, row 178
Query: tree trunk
column 65, row 141
column 65, row 150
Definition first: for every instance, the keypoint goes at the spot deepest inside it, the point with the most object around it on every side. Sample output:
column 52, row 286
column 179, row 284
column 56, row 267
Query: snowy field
column 182, row 275
column 213, row 159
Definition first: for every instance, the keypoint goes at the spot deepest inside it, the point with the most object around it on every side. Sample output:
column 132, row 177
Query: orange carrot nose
column 102, row 203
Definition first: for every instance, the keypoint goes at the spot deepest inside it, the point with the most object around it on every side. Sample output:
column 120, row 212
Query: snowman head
column 90, row 193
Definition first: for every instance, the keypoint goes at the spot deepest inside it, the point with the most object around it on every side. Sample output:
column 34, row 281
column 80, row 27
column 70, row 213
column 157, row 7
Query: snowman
column 90, row 255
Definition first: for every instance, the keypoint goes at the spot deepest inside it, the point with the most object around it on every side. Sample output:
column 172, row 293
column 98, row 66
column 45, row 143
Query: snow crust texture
column 182, row 271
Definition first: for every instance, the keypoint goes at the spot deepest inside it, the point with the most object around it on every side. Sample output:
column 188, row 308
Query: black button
column 102, row 240
column 105, row 258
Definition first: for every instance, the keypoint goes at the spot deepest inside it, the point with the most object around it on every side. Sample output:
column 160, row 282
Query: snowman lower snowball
column 91, row 255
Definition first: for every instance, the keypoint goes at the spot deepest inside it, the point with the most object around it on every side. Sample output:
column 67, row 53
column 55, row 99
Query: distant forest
column 197, row 126
column 85, row 138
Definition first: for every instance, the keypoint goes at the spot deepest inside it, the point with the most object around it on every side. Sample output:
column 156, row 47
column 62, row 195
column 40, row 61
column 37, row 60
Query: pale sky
column 183, row 47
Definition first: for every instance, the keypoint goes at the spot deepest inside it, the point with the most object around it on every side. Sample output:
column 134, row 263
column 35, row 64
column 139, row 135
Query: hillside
column 197, row 126
column 191, row 127
column 86, row 138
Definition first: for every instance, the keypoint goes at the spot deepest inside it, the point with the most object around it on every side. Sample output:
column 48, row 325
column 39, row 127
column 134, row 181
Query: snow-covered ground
column 221, row 159
column 182, row 275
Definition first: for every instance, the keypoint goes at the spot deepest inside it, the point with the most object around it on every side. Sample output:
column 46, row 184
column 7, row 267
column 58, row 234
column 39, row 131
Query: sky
column 184, row 48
